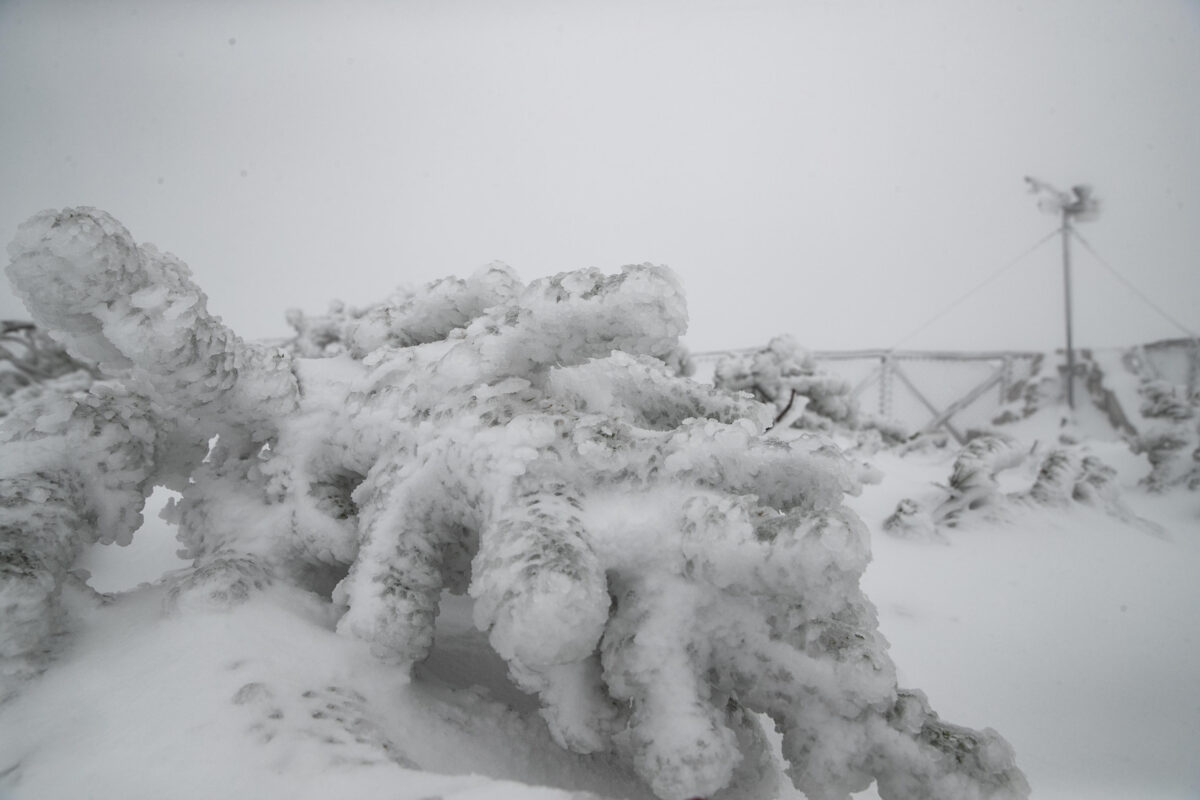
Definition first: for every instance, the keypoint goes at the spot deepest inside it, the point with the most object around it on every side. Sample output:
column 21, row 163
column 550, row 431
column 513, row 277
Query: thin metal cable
column 1133, row 289
column 996, row 274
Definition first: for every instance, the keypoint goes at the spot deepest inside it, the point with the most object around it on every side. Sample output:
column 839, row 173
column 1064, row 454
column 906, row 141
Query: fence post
column 1006, row 379
column 885, row 386
column 1193, row 365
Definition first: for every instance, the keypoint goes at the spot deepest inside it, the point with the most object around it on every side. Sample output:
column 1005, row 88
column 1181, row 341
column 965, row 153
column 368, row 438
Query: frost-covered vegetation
column 805, row 397
column 1061, row 476
column 649, row 564
column 30, row 361
column 1171, row 440
column 786, row 376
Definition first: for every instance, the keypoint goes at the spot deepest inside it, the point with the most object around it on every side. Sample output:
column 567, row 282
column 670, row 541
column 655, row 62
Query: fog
column 841, row 171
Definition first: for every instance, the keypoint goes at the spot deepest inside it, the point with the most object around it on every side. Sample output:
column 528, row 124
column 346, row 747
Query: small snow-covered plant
column 972, row 487
column 1172, row 441
column 1032, row 392
column 413, row 316
column 973, row 483
column 410, row 316
column 645, row 560
column 1064, row 476
column 805, row 396
column 75, row 458
column 30, row 358
column 786, row 376
column 1067, row 475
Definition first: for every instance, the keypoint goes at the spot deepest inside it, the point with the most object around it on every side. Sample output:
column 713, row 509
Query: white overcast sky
column 838, row 170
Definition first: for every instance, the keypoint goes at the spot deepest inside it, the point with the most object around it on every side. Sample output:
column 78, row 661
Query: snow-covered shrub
column 422, row 315
column 1029, row 394
column 30, row 358
column 806, row 397
column 1064, row 476
column 1172, row 440
column 409, row 317
column 786, row 376
column 972, row 480
column 645, row 560
column 75, row 470
column 875, row 434
column 972, row 486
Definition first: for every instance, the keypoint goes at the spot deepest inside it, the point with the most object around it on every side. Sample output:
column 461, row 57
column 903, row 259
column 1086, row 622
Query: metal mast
column 1066, row 261
column 1079, row 203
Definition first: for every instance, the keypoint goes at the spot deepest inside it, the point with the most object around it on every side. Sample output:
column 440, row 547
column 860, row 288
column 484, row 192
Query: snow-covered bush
column 409, row 317
column 1064, row 475
column 75, row 458
column 30, row 358
column 413, row 316
column 1028, row 394
column 1172, row 440
column 806, row 397
column 643, row 558
column 786, row 376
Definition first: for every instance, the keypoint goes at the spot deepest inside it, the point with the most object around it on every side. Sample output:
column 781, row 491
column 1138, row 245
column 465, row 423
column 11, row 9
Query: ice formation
column 643, row 558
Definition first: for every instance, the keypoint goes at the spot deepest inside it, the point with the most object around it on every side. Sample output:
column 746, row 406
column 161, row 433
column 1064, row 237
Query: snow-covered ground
column 1071, row 632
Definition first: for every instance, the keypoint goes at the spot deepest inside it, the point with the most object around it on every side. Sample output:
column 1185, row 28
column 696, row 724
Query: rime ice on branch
column 644, row 559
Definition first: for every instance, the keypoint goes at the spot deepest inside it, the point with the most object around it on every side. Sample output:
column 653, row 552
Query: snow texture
column 647, row 562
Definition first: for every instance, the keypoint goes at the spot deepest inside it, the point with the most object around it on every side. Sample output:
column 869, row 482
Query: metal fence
column 924, row 390
column 934, row 389
column 930, row 389
column 1176, row 361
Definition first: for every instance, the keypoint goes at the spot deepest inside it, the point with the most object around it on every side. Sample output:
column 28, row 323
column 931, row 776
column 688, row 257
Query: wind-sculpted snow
column 641, row 556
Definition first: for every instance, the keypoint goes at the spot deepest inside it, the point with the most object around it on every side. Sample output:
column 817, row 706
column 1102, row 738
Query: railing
column 894, row 370
column 925, row 390
column 1175, row 360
